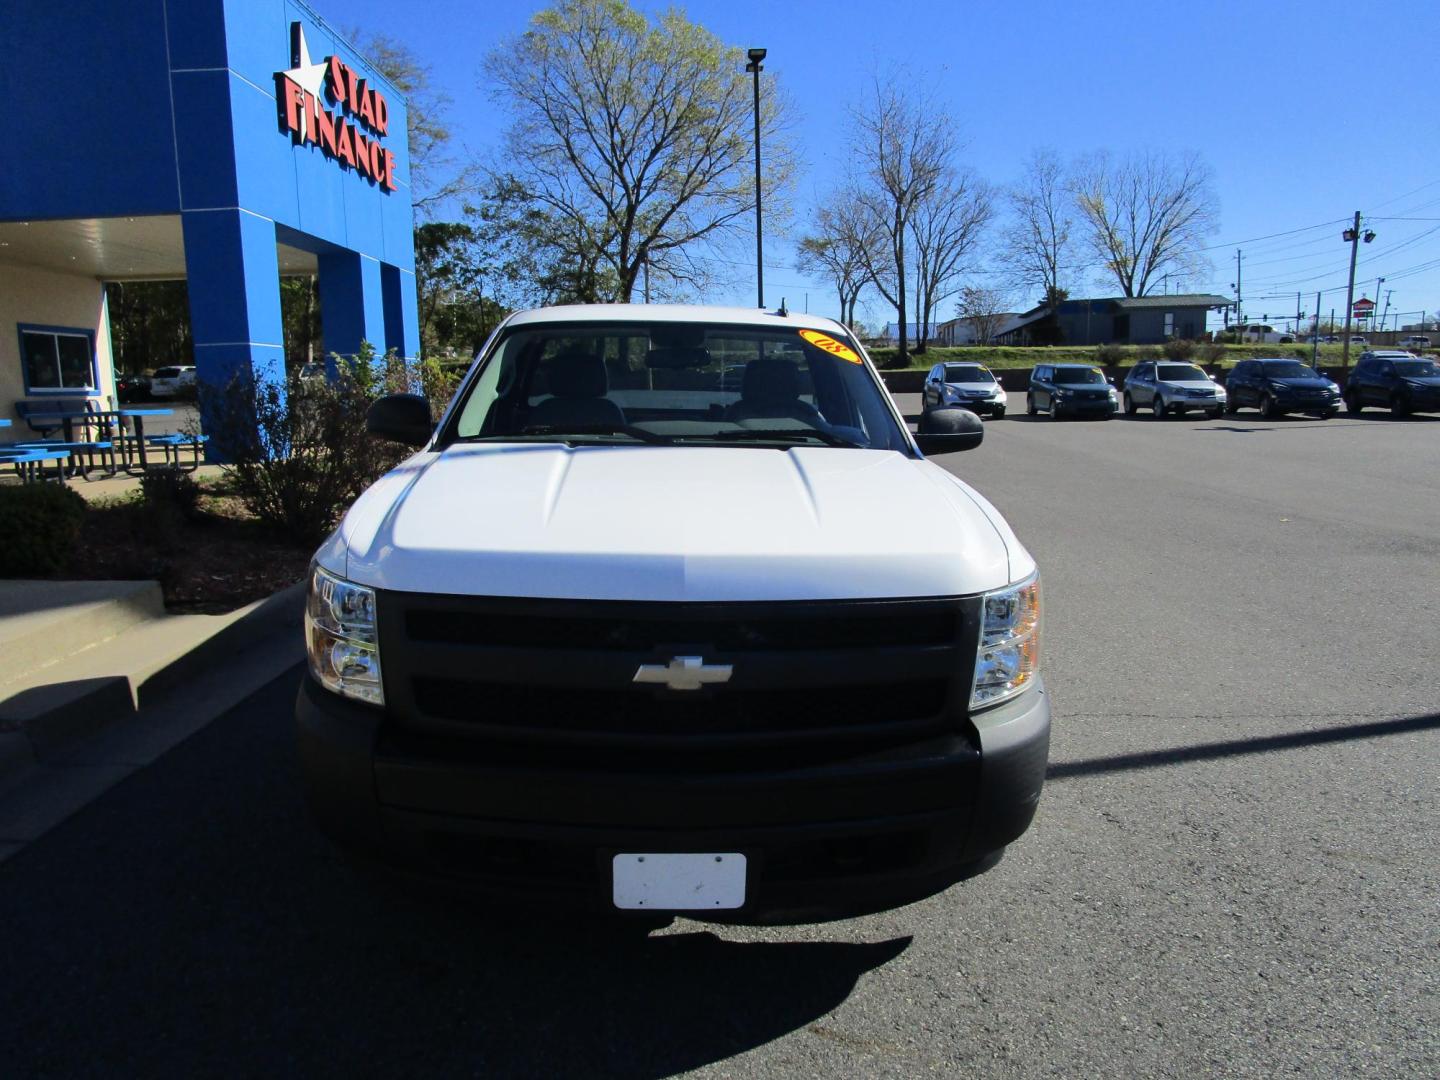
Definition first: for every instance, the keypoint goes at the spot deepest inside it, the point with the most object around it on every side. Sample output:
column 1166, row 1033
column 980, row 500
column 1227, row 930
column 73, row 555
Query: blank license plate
column 679, row 882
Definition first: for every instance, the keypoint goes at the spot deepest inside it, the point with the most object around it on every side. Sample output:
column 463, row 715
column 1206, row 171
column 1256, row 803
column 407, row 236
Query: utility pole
column 1239, row 318
column 1315, row 338
column 1388, row 294
column 1353, row 235
column 1298, row 314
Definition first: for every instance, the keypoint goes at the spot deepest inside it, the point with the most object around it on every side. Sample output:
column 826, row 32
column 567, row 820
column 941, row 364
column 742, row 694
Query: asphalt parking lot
column 1235, row 870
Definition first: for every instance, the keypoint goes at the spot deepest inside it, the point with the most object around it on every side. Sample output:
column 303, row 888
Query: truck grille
column 550, row 672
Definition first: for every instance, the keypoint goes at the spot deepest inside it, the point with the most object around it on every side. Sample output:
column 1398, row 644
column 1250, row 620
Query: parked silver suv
column 1167, row 386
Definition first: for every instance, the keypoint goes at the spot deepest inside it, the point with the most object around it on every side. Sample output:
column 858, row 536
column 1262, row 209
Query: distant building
column 967, row 331
column 1118, row 320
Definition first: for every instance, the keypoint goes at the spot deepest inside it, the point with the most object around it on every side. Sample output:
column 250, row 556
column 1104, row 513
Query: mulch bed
column 211, row 562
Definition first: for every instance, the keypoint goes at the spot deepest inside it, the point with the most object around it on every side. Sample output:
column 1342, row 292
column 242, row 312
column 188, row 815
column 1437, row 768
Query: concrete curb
column 40, row 722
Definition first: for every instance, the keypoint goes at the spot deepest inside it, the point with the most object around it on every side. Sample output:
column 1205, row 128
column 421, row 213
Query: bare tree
column 435, row 173
column 636, row 135
column 984, row 310
column 902, row 147
column 945, row 228
column 1037, row 247
column 1145, row 215
column 842, row 246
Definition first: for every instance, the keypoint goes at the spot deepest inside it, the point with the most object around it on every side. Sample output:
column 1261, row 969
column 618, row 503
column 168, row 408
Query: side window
column 1042, row 374
column 1387, row 369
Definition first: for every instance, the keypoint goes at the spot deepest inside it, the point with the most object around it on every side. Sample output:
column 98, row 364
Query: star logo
column 304, row 74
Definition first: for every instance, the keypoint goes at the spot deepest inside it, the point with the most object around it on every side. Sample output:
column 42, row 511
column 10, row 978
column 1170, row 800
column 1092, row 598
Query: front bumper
column 981, row 406
column 1197, row 404
column 851, row 835
column 1099, row 407
column 1309, row 405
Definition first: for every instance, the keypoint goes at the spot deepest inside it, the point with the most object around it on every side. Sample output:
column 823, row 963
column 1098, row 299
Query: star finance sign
column 305, row 118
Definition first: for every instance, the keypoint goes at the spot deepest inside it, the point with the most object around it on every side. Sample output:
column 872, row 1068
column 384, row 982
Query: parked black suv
column 1395, row 380
column 1070, row 389
column 1277, row 386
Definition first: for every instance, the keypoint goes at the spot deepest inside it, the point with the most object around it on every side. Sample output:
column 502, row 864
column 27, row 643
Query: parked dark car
column 1395, row 380
column 1276, row 387
column 1070, row 390
column 132, row 388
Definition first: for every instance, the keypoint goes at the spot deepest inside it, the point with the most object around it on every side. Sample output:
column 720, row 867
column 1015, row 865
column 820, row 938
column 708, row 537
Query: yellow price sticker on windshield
column 830, row 345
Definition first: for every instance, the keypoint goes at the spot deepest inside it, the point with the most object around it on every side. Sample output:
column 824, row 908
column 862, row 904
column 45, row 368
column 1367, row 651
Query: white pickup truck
column 670, row 613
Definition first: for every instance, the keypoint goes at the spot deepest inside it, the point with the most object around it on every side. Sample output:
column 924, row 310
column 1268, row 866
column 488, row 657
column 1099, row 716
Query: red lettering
column 292, row 102
column 324, row 131
column 363, row 163
column 367, row 110
column 353, row 83
column 382, row 114
column 335, row 80
column 344, row 148
column 388, row 181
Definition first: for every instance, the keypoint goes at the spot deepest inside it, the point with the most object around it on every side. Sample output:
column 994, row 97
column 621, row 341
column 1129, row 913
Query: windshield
column 1180, row 373
column 1289, row 369
column 1417, row 368
column 963, row 373
column 682, row 383
column 1078, row 375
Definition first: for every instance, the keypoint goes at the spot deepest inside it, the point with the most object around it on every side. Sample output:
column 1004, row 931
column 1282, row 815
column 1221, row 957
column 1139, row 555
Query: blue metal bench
column 30, row 464
column 172, row 445
column 90, row 448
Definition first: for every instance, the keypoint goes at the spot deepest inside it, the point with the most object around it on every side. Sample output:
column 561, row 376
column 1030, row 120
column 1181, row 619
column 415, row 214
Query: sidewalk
column 98, row 681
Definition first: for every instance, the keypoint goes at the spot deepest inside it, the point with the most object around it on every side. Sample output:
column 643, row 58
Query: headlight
column 1008, row 658
column 340, row 637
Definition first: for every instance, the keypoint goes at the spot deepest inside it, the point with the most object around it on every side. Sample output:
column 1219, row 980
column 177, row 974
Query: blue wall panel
column 87, row 108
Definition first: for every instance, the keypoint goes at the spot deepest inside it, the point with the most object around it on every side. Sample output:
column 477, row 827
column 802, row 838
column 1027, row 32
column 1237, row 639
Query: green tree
column 635, row 137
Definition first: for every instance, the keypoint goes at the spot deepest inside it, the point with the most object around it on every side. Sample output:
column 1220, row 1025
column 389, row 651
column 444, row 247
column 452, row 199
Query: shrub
column 167, row 490
column 1212, row 352
column 1109, row 355
column 39, row 529
column 298, row 456
column 438, row 382
column 1178, row 349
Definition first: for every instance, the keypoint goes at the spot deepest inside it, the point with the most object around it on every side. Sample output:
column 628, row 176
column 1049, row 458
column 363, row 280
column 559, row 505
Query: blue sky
column 1306, row 112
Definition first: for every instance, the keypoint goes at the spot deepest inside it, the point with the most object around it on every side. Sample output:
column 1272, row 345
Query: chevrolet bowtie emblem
column 683, row 673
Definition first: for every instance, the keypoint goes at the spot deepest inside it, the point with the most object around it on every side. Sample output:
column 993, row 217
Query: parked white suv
column 671, row 612
column 169, row 382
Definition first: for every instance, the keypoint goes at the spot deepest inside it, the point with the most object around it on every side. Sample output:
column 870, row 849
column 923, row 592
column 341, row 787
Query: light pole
column 754, row 67
column 1351, row 236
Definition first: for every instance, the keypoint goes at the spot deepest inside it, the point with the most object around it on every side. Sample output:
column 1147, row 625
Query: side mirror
column 403, row 418
column 948, row 431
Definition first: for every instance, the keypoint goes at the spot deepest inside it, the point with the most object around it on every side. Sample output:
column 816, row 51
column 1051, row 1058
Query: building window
column 1169, row 324
column 57, row 360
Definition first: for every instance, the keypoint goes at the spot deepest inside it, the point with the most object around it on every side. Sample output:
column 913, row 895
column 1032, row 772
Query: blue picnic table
column 68, row 418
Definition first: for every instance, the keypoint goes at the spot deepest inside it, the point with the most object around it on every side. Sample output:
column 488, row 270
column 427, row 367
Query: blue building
column 221, row 141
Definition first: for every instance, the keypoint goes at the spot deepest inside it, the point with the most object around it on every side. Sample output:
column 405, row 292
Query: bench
column 104, row 447
column 30, row 464
column 172, row 445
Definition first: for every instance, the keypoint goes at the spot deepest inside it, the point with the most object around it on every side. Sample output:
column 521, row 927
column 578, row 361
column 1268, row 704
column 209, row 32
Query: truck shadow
column 194, row 920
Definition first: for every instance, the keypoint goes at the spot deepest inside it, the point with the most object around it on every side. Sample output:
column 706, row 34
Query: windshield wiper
column 568, row 435
column 780, row 435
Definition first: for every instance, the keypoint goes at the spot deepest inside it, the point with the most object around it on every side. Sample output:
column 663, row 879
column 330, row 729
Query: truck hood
column 673, row 523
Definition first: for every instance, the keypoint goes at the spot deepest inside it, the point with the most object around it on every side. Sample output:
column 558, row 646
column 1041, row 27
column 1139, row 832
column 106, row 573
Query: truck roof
column 652, row 313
